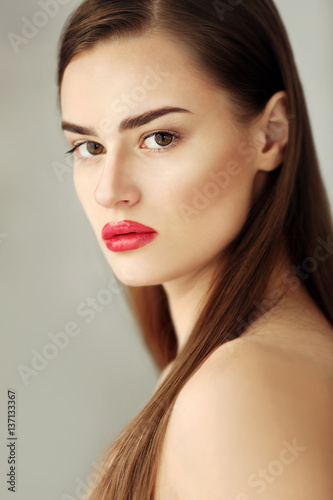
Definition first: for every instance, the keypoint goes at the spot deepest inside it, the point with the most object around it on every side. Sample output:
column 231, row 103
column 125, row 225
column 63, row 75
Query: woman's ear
column 272, row 133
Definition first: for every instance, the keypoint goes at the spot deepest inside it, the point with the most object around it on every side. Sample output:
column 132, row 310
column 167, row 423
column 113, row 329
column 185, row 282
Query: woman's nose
column 116, row 183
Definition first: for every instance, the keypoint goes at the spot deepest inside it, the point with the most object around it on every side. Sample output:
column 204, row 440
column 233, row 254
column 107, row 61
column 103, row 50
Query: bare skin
column 303, row 328
column 294, row 347
column 288, row 321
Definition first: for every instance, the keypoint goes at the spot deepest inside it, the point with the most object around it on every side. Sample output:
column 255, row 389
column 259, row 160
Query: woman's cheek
column 213, row 186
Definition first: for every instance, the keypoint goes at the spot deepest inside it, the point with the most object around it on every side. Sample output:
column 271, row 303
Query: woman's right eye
column 88, row 149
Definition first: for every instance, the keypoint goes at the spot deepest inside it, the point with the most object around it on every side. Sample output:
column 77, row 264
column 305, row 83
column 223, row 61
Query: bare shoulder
column 254, row 421
column 253, row 367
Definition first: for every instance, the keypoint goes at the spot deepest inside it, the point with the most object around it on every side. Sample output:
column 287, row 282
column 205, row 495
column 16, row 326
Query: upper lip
column 124, row 227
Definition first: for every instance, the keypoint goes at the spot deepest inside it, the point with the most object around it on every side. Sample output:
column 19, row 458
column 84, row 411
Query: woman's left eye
column 88, row 149
column 165, row 140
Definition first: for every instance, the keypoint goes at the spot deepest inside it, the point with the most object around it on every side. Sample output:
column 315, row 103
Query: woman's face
column 189, row 175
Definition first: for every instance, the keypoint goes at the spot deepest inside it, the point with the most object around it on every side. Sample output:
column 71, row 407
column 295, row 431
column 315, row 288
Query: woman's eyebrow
column 127, row 123
column 138, row 121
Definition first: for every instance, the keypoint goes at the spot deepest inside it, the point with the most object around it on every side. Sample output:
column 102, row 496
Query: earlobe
column 272, row 133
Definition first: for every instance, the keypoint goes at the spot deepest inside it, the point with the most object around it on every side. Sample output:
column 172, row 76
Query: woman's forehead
column 124, row 79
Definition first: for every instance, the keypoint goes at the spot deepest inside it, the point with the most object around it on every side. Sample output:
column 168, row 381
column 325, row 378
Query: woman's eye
column 161, row 139
column 88, row 149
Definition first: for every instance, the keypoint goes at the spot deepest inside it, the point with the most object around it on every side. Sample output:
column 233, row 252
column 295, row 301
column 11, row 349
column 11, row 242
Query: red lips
column 127, row 235
column 112, row 229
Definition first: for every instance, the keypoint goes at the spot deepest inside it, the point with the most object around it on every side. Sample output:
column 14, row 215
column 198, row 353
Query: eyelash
column 157, row 150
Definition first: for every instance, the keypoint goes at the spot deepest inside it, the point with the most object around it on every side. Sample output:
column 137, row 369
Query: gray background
column 50, row 262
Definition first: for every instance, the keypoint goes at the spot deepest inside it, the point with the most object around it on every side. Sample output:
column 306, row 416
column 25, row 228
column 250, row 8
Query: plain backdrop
column 50, row 263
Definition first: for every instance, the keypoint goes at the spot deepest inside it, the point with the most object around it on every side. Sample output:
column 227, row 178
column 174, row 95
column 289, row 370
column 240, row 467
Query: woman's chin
column 131, row 277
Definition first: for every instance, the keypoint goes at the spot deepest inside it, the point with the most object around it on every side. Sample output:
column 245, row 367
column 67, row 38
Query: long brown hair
column 242, row 46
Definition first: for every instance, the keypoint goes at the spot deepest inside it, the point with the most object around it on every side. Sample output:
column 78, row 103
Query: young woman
column 195, row 164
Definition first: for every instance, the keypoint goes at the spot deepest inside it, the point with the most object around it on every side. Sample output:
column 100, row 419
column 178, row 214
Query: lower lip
column 129, row 241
